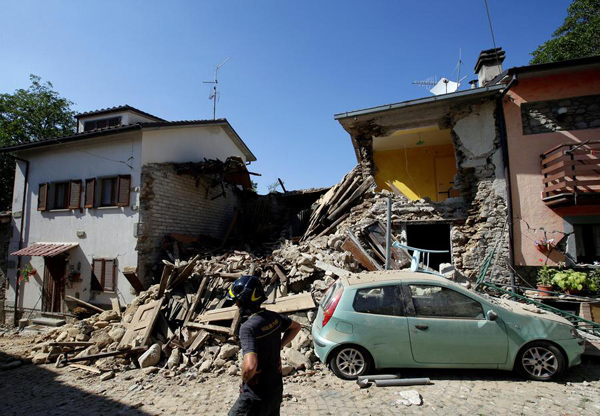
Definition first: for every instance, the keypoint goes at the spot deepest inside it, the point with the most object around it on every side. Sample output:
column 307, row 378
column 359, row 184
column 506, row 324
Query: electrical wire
column 487, row 9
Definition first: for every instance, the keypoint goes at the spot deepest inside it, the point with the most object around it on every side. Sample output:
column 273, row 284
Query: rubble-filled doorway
column 54, row 288
column 431, row 237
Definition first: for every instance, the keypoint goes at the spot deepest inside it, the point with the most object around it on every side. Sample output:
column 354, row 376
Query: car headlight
column 575, row 333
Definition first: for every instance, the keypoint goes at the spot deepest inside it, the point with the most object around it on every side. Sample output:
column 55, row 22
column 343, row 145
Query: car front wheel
column 541, row 361
column 349, row 362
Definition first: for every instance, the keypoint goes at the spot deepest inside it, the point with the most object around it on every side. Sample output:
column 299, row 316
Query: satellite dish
column 444, row 86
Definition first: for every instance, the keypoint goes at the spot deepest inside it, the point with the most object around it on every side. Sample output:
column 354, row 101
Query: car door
column 380, row 324
column 448, row 327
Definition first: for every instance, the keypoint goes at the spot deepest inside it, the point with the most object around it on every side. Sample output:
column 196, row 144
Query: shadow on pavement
column 589, row 370
column 34, row 390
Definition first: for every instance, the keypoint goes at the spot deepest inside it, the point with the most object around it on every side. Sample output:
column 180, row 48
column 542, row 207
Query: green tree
column 29, row 115
column 577, row 37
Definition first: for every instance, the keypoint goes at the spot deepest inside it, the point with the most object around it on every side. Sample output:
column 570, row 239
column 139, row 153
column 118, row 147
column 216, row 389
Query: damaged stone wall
column 480, row 180
column 172, row 203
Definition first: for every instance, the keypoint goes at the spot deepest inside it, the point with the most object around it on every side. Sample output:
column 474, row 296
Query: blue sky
column 293, row 65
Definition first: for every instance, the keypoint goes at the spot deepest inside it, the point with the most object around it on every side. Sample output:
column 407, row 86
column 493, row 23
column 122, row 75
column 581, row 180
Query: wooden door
column 53, row 290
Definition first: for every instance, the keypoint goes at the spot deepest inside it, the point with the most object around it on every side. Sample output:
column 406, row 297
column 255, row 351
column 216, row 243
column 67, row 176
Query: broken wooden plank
column 84, row 304
column 199, row 341
column 217, row 314
column 333, row 269
column 280, row 273
column 352, row 199
column 376, row 234
column 292, row 303
column 130, row 274
column 354, row 247
column 197, row 298
column 141, row 325
column 164, row 279
column 87, row 368
column 235, row 325
column 215, row 328
column 116, row 305
column 186, row 272
column 71, row 344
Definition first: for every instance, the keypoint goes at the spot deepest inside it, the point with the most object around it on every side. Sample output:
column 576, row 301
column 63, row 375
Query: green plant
column 594, row 280
column 545, row 275
column 570, row 280
column 26, row 272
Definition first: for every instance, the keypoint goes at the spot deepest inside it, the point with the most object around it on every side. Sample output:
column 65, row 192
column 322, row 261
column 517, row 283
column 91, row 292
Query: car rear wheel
column 541, row 361
column 349, row 362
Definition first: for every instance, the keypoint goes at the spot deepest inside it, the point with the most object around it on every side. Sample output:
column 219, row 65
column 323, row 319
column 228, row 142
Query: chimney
column 489, row 65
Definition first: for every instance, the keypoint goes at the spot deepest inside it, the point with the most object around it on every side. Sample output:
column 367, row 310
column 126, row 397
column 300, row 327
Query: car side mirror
column 491, row 315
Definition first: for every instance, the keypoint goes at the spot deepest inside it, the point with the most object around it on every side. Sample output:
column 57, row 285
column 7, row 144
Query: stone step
column 45, row 321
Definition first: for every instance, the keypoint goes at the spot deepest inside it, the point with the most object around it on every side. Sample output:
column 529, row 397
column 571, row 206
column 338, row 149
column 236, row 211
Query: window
column 102, row 123
column 115, row 191
column 384, row 300
column 108, row 192
column 587, row 243
column 104, row 272
column 436, row 301
column 43, row 197
column 61, row 195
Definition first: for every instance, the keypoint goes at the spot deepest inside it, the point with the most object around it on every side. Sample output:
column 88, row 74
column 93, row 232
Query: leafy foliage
column 577, row 37
column 27, row 115
column 570, row 280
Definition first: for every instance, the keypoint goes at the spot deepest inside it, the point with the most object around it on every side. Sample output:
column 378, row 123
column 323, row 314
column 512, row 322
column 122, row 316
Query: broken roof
column 51, row 141
column 116, row 109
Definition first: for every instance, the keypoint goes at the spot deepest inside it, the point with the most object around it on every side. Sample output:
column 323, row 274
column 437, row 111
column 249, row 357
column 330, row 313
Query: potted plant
column 571, row 281
column 26, row 272
column 594, row 280
column 544, row 279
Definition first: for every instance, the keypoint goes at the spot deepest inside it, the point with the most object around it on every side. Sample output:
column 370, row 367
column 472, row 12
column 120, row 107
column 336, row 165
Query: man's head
column 247, row 292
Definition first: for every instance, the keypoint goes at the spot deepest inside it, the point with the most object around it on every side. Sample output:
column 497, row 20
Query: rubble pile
column 185, row 324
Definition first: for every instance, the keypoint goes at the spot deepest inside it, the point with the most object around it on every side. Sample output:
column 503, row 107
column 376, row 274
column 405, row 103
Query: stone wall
column 543, row 117
column 172, row 203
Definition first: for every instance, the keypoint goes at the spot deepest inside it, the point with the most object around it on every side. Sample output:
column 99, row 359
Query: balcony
column 572, row 174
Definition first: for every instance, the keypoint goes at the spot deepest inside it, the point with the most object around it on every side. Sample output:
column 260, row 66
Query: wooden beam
column 84, row 304
column 354, row 247
column 215, row 328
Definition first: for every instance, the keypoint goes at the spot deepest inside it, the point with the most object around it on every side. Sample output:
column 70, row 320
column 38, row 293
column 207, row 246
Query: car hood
column 531, row 311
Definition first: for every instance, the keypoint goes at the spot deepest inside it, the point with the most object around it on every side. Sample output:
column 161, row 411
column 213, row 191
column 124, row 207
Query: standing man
column 263, row 336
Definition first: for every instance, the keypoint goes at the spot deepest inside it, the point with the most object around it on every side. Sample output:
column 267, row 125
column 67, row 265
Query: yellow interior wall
column 414, row 173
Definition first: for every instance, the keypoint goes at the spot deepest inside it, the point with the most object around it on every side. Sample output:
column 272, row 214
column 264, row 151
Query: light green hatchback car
column 416, row 320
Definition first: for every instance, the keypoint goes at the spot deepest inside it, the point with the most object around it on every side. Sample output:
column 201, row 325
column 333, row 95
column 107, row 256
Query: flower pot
column 546, row 288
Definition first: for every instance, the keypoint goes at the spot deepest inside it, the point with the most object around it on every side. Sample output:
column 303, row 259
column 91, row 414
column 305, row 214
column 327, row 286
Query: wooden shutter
column 123, row 189
column 108, row 281
column 97, row 272
column 74, row 194
column 90, row 193
column 43, row 197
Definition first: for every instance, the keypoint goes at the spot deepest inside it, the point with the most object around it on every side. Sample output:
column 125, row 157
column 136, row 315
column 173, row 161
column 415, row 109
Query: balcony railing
column 572, row 174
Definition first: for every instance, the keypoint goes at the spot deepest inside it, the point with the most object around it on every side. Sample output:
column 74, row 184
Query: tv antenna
column 442, row 85
column 215, row 93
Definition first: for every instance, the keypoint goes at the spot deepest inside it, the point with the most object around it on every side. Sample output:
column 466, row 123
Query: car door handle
column 422, row 327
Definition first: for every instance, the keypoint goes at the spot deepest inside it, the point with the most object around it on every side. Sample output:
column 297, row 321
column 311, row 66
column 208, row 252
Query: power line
column 487, row 9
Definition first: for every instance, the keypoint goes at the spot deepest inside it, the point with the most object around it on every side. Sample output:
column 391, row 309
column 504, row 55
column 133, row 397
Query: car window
column 437, row 301
column 383, row 300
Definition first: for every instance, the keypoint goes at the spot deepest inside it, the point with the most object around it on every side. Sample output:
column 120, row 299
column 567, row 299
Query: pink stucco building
column 552, row 119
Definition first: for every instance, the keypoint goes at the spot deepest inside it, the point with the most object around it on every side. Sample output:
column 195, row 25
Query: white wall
column 109, row 232
column 187, row 144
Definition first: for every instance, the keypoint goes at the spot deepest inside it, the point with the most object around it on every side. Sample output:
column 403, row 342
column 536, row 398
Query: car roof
column 394, row 275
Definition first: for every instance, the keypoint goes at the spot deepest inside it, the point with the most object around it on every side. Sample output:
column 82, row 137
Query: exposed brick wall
column 172, row 203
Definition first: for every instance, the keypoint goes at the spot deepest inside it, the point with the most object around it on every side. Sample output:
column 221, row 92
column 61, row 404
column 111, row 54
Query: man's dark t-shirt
column 261, row 335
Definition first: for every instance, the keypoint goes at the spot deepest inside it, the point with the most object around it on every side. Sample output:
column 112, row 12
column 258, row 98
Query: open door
column 53, row 291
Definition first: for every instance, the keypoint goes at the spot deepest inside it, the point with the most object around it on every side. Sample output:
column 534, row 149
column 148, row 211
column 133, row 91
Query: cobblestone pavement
column 46, row 390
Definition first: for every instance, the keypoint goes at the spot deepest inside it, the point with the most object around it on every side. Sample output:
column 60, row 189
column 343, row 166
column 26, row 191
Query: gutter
column 25, row 183
column 505, row 157
column 418, row 101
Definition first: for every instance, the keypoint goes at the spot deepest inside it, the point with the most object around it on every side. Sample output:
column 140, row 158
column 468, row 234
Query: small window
column 102, row 123
column 384, row 300
column 104, row 274
column 587, row 243
column 108, row 192
column 440, row 302
column 61, row 195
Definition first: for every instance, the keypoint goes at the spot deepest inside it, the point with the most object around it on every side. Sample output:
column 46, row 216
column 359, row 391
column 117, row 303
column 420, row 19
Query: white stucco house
column 89, row 205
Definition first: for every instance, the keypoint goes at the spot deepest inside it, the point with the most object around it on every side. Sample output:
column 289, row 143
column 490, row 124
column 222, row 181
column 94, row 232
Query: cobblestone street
column 44, row 389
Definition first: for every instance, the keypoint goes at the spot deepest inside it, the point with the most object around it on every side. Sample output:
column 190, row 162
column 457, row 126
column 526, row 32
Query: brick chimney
column 489, row 65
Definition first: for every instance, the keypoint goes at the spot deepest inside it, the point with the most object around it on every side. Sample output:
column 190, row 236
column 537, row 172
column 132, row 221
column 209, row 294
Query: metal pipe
column 380, row 377
column 388, row 234
column 25, row 182
column 402, row 382
column 509, row 207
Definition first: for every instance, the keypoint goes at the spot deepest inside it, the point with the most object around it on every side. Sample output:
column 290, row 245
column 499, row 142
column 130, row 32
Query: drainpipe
column 25, row 182
column 504, row 146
